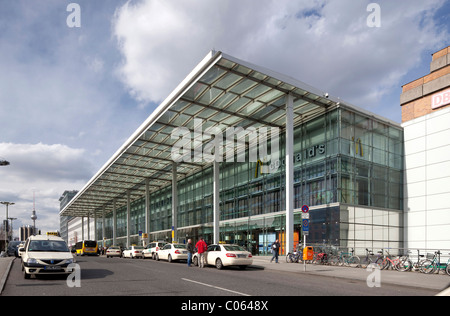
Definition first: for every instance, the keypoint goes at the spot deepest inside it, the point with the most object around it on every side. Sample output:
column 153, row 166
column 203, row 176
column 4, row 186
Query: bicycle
column 295, row 256
column 400, row 263
column 431, row 266
column 367, row 261
column 349, row 259
column 416, row 266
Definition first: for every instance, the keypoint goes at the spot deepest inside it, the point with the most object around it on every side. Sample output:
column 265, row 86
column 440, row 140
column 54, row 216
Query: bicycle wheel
column 404, row 265
column 447, row 269
column 354, row 262
column 365, row 262
column 428, row 267
column 289, row 258
column 383, row 263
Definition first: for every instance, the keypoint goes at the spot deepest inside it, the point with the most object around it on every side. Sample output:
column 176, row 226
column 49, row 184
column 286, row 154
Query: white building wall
column 75, row 231
column 427, row 181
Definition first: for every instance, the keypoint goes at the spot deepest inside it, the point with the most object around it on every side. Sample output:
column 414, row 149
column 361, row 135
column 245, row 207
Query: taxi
column 113, row 251
column 225, row 255
column 133, row 252
column 45, row 255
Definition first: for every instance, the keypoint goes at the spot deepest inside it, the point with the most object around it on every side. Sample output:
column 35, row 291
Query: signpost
column 305, row 228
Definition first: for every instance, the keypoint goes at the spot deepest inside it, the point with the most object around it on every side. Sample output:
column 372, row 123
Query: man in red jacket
column 201, row 249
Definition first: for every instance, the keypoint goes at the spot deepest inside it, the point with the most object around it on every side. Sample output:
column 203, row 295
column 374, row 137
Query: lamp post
column 6, row 226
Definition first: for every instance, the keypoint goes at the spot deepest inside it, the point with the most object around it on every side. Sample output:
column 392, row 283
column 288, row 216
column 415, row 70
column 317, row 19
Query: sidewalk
column 5, row 266
column 411, row 279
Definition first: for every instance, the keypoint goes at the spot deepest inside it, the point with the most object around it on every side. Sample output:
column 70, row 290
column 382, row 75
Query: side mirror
column 21, row 249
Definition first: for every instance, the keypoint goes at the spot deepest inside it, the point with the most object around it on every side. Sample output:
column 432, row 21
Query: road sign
column 305, row 226
column 305, row 208
column 305, row 215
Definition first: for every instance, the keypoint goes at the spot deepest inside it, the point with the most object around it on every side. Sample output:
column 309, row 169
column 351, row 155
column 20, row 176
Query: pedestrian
column 275, row 250
column 201, row 249
column 190, row 250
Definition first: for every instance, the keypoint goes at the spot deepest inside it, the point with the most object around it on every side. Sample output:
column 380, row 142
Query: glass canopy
column 222, row 91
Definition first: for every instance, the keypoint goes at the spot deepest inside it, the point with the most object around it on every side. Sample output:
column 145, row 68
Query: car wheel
column 157, row 257
column 195, row 261
column 169, row 259
column 219, row 264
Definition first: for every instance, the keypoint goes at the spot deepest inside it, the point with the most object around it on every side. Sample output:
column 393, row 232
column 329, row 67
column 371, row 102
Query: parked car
column 133, row 252
column 171, row 252
column 44, row 254
column 151, row 250
column 13, row 247
column 114, row 251
column 224, row 255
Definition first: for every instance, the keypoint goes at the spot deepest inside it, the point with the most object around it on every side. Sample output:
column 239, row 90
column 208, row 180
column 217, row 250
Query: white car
column 224, row 255
column 133, row 252
column 45, row 255
column 113, row 251
column 151, row 250
column 171, row 252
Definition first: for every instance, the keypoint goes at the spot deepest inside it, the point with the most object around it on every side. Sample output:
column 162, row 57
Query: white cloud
column 47, row 171
column 324, row 43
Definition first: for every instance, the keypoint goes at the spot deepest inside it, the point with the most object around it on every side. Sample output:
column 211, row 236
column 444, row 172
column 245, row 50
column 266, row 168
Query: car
column 114, row 251
column 46, row 255
column 133, row 252
column 172, row 252
column 224, row 255
column 13, row 247
column 151, row 250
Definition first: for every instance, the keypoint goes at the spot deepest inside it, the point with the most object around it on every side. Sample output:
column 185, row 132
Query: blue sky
column 70, row 97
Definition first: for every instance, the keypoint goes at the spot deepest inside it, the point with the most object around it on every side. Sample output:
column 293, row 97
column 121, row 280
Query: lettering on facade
column 298, row 157
column 358, row 146
column 440, row 99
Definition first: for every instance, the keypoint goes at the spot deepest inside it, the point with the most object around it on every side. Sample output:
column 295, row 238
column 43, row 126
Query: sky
column 77, row 81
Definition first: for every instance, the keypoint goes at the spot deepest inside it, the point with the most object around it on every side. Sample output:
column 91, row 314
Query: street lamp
column 6, row 226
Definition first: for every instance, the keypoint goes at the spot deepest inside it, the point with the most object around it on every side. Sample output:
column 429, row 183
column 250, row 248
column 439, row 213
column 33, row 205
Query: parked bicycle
column 349, row 259
column 370, row 259
column 399, row 263
column 435, row 265
column 295, row 256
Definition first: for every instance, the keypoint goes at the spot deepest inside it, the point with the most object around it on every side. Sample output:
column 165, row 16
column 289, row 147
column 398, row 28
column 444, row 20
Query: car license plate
column 242, row 256
column 52, row 268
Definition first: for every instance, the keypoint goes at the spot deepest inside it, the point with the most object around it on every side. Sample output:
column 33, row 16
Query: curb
column 5, row 276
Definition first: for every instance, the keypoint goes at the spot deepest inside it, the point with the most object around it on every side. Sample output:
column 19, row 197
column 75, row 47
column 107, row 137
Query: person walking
column 275, row 250
column 190, row 250
column 201, row 249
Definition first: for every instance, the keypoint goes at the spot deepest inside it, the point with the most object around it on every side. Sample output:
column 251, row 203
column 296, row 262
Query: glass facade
column 348, row 169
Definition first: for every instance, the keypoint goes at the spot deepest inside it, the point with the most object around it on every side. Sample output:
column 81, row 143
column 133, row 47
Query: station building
column 344, row 162
column 426, row 121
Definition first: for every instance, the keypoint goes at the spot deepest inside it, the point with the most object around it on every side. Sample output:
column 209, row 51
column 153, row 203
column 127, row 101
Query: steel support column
column 216, row 201
column 174, row 201
column 289, row 173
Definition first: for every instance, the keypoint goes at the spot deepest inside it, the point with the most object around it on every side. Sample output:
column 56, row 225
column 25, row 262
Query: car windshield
column 234, row 248
column 48, row 246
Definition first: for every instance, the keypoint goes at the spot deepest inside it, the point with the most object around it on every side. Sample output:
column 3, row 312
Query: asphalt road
column 136, row 277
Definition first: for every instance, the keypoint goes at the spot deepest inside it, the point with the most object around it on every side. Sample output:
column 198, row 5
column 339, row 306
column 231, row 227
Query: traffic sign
column 305, row 208
column 305, row 226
